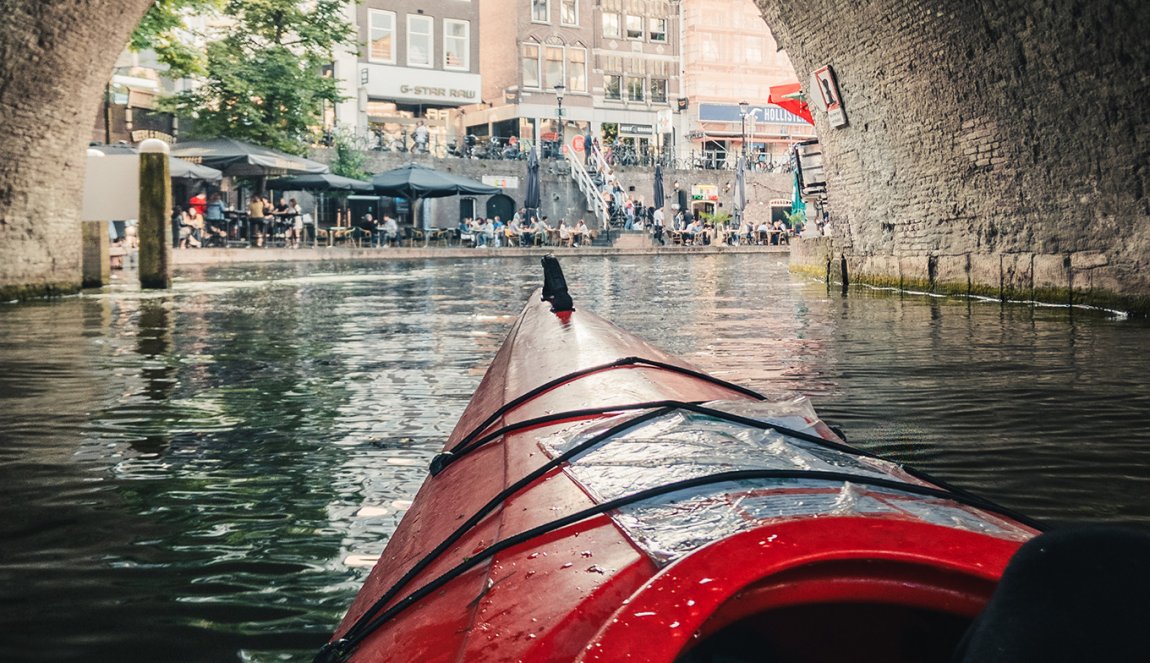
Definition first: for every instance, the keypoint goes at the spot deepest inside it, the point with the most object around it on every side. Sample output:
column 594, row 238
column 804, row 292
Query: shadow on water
column 216, row 466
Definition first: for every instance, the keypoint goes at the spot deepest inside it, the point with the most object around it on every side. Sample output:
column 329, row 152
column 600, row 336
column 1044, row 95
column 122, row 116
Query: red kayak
column 600, row 500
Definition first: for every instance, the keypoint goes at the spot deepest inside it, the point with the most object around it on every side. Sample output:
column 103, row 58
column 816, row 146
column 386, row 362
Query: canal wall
column 561, row 198
column 1071, row 279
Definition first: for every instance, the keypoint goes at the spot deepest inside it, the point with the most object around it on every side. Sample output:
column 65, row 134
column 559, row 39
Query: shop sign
column 419, row 85
column 642, row 129
column 501, row 181
column 705, row 192
column 140, row 135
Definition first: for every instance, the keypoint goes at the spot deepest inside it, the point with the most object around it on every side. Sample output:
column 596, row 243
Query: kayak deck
column 592, row 507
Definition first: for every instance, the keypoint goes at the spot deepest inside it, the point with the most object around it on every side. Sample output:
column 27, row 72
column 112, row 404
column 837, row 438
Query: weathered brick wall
column 997, row 147
column 54, row 60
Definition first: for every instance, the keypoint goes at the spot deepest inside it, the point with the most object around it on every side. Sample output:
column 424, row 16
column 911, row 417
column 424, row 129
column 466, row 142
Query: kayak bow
column 600, row 500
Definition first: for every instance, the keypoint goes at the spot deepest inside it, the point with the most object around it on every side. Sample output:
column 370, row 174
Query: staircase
column 590, row 189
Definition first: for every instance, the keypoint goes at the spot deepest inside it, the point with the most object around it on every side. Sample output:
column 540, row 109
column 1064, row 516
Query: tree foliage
column 260, row 76
column 349, row 160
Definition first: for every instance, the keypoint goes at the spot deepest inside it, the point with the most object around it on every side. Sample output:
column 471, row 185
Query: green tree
column 261, row 76
column 163, row 30
column 349, row 160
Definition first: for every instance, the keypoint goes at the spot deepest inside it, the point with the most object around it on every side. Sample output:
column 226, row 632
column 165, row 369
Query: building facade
column 731, row 57
column 417, row 62
column 609, row 66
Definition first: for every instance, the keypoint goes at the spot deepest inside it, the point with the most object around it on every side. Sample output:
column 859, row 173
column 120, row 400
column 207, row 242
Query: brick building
column 617, row 61
column 729, row 57
column 416, row 61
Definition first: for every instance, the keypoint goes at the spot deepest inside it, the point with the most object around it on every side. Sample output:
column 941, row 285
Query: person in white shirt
column 657, row 228
column 582, row 234
column 390, row 230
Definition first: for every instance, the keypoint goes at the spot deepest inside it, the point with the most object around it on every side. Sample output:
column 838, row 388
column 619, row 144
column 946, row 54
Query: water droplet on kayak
column 586, row 553
column 567, row 565
column 595, row 568
column 674, row 624
column 690, row 602
column 533, row 555
column 706, row 580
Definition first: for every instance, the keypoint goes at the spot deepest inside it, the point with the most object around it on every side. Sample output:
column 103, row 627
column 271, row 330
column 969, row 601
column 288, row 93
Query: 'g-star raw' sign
column 422, row 86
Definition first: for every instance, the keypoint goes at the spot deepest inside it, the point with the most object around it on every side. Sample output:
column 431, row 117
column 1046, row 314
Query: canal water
column 206, row 474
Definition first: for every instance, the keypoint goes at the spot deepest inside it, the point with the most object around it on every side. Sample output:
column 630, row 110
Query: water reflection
column 217, row 465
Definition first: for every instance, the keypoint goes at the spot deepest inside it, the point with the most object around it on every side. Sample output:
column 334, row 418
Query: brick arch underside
column 993, row 147
column 55, row 58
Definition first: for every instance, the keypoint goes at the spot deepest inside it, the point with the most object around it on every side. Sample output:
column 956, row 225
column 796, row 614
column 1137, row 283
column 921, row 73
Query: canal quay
column 218, row 465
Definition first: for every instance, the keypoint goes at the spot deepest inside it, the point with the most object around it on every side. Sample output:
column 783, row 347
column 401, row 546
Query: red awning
column 790, row 97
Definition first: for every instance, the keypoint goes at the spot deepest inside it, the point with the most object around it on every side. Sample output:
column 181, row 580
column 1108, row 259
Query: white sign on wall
column 111, row 188
column 422, row 85
column 826, row 95
column 501, row 181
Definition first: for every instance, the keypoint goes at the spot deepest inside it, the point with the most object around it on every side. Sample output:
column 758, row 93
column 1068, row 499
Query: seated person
column 527, row 232
column 763, row 232
column 582, row 234
column 565, row 237
column 693, row 232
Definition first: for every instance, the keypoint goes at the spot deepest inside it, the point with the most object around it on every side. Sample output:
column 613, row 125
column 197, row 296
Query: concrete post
column 155, row 233
column 97, row 270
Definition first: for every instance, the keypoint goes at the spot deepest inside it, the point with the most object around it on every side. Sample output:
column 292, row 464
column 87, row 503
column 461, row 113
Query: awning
column 237, row 158
column 791, row 97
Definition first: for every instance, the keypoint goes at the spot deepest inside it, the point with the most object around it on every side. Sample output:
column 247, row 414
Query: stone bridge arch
column 992, row 147
column 996, row 146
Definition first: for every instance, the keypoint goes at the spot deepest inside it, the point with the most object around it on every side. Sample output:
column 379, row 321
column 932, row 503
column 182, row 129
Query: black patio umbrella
column 659, row 197
column 531, row 198
column 319, row 182
column 416, row 183
column 237, row 158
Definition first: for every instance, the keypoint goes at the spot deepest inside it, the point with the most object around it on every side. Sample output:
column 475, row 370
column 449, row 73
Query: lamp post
column 744, row 109
column 559, row 90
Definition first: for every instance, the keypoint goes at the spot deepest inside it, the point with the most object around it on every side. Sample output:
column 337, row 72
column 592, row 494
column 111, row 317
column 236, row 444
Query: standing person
column 256, row 223
column 178, row 227
column 421, row 136
column 296, row 221
column 657, row 225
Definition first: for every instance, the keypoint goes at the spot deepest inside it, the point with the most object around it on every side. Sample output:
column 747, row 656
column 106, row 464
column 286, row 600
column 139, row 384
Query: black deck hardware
column 555, row 286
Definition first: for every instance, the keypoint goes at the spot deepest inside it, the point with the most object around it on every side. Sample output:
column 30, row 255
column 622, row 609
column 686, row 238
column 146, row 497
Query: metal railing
column 589, row 187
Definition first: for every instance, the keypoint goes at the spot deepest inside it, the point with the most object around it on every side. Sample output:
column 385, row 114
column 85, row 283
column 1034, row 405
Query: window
column 569, row 12
column 658, row 28
column 381, row 36
column 634, row 27
column 541, row 10
column 576, row 70
column 456, row 44
column 530, row 60
column 611, row 25
column 634, row 89
column 552, row 66
column 420, row 40
column 613, row 87
column 659, row 90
